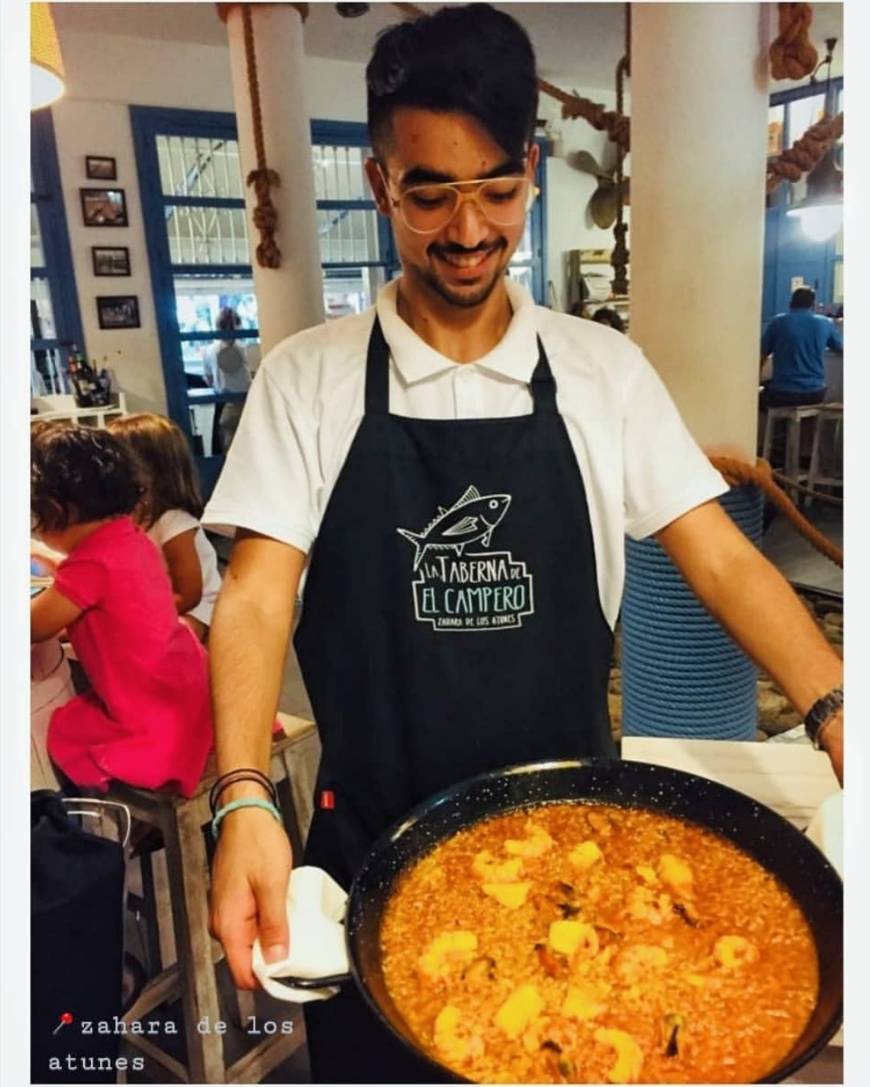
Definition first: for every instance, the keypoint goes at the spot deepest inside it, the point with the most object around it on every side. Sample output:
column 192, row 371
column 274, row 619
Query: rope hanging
column 792, row 54
column 619, row 257
column 738, row 473
column 265, row 213
column 808, row 152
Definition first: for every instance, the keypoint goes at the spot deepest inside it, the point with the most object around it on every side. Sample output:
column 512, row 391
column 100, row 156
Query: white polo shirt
column 641, row 467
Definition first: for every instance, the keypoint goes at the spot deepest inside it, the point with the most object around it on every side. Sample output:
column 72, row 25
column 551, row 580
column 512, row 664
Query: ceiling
column 581, row 41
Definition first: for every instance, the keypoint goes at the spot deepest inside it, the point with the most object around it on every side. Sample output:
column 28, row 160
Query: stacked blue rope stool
column 682, row 675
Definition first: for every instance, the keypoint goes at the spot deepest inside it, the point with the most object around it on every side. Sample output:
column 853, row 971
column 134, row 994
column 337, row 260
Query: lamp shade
column 46, row 64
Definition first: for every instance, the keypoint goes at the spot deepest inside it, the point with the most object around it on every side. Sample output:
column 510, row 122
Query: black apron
column 451, row 625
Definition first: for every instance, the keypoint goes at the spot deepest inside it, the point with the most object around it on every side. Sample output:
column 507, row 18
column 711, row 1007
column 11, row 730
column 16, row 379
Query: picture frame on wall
column 110, row 260
column 100, row 168
column 118, row 311
column 104, row 207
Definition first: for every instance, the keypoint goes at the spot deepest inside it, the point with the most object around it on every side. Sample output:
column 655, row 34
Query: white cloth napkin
column 316, row 906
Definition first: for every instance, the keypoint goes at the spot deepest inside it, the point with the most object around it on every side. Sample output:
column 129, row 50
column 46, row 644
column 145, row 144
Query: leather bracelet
column 820, row 713
column 242, row 773
column 244, row 802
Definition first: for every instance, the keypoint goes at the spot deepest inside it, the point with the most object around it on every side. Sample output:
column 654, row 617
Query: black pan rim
column 404, row 824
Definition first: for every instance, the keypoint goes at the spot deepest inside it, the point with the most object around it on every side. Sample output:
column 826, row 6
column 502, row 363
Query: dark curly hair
column 472, row 59
column 79, row 474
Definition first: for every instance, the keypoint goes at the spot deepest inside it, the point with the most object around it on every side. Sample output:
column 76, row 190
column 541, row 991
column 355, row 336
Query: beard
column 463, row 297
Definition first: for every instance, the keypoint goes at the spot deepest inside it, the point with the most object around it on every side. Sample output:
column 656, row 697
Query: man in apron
column 457, row 467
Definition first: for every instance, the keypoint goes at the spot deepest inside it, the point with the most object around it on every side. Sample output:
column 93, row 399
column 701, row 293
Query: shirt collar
column 514, row 356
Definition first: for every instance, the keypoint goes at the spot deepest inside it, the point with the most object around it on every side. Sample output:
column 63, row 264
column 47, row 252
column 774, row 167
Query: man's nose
column 469, row 226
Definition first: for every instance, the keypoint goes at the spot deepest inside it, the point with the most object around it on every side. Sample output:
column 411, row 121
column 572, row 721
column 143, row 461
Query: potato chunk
column 566, row 937
column 519, row 1011
column 629, row 1055
column 536, row 842
column 585, row 855
column 676, row 872
column 448, row 1041
column 734, row 951
column 447, row 950
column 512, row 895
column 493, row 871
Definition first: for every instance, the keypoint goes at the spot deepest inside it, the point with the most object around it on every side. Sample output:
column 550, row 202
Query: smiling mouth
column 466, row 262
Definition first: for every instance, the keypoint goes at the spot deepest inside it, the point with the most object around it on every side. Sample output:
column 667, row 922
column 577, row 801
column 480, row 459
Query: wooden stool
column 793, row 416
column 181, row 821
column 828, row 413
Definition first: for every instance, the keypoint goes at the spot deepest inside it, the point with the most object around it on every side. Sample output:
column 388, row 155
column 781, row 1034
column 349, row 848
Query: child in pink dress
column 147, row 720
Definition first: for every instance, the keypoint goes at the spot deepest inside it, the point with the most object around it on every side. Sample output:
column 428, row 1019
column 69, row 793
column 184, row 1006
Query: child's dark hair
column 161, row 449
column 79, row 474
column 471, row 59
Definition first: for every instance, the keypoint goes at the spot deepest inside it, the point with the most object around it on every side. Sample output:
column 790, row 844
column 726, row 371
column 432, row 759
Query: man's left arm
column 756, row 605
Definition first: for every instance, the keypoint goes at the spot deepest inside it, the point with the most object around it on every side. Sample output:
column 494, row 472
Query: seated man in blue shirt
column 798, row 340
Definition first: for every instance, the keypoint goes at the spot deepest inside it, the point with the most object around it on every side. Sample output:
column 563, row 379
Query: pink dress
column 147, row 720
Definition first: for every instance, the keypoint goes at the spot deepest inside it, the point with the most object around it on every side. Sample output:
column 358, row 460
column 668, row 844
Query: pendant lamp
column 46, row 65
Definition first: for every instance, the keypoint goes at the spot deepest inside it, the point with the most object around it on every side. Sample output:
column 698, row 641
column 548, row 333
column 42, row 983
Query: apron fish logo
column 473, row 517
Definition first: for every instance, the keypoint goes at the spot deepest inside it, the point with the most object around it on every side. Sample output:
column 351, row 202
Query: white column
column 699, row 95
column 289, row 298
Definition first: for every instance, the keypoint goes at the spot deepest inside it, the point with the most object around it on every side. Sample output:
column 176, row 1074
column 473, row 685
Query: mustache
column 461, row 251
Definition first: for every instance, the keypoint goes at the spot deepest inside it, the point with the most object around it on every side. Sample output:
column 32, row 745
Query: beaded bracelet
column 244, row 802
column 243, row 773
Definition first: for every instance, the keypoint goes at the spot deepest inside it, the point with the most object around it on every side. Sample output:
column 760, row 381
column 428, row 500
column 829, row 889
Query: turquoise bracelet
column 245, row 802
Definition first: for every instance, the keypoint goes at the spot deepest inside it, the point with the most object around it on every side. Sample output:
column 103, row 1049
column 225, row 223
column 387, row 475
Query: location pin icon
column 65, row 1019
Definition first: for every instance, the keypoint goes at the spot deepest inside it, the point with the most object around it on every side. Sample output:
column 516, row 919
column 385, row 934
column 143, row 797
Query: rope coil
column 792, row 54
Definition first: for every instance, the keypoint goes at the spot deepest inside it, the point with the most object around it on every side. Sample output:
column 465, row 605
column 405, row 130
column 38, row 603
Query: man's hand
column 249, row 890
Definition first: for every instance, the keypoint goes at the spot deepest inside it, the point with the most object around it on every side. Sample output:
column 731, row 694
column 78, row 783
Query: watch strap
column 820, row 712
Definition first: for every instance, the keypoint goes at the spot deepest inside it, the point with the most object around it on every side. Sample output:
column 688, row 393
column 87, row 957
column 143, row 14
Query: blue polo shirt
column 798, row 340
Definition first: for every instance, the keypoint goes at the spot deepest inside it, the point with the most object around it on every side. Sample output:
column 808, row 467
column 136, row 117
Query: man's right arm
column 248, row 641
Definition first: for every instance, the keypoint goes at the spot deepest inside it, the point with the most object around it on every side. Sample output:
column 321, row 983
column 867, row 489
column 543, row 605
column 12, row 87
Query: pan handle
column 313, row 983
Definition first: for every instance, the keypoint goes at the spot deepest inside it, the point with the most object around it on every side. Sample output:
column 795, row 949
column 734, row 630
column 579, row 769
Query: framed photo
column 111, row 260
column 104, row 207
column 100, row 168
column 118, row 311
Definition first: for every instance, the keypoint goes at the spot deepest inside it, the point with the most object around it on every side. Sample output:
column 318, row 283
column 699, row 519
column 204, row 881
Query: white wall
column 569, row 225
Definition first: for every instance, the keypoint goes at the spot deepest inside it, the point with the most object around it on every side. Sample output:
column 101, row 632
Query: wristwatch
column 820, row 712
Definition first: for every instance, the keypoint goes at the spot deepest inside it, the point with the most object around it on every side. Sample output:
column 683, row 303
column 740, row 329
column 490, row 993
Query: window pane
column 347, row 236
column 207, row 235
column 37, row 257
column 42, row 326
column 352, row 291
column 775, row 122
column 195, row 352
column 200, row 299
column 48, row 373
column 198, row 166
column 339, row 173
column 802, row 114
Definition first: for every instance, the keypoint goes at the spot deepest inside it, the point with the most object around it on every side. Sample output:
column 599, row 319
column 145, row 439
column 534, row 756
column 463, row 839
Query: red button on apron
column 327, row 799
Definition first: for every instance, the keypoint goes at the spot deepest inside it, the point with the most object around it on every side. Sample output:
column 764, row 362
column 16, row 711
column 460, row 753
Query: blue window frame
column 192, row 196
column 55, row 322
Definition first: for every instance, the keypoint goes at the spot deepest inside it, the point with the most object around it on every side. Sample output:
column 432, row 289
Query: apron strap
column 542, row 386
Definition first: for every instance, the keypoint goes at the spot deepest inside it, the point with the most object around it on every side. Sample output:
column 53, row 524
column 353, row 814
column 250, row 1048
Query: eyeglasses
column 425, row 209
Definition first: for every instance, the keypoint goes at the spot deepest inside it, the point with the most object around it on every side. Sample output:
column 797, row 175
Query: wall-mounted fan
column 603, row 202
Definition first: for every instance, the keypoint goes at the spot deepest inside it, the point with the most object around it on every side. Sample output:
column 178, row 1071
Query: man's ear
column 533, row 156
column 378, row 186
